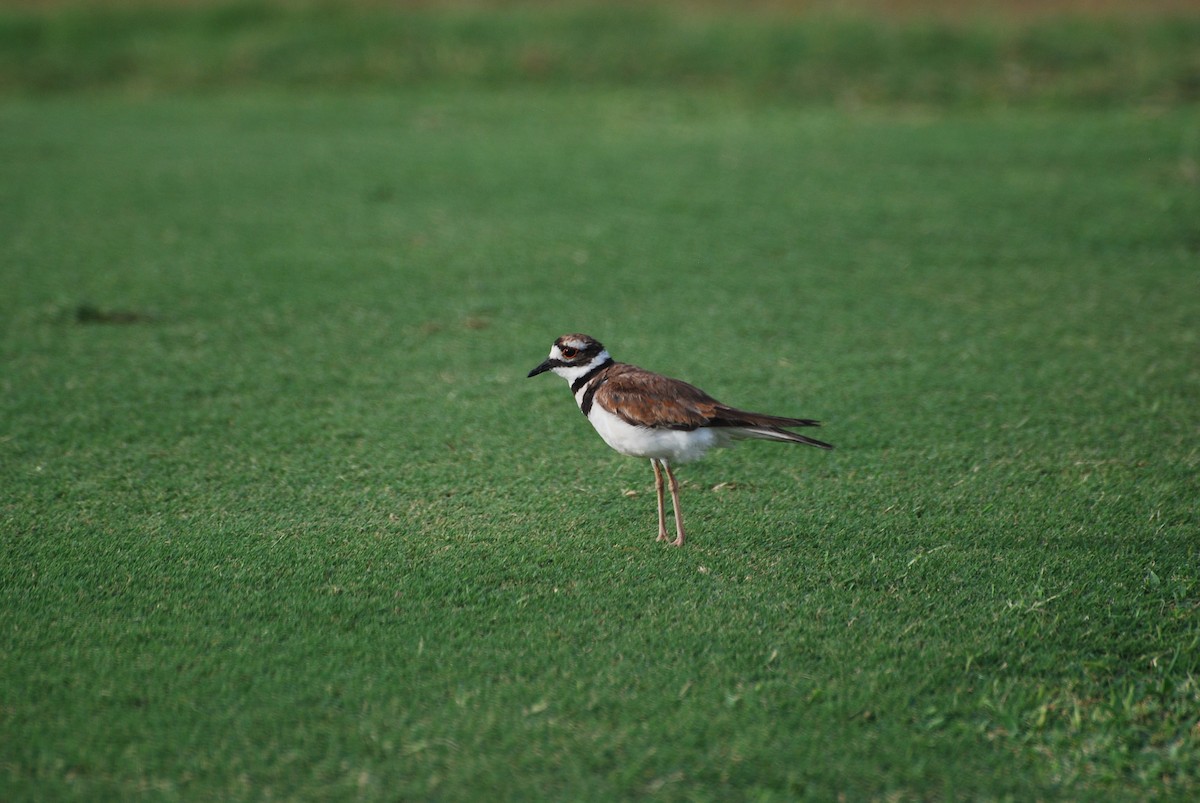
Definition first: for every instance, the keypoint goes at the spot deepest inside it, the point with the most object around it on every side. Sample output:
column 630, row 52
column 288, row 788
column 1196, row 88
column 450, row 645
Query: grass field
column 281, row 516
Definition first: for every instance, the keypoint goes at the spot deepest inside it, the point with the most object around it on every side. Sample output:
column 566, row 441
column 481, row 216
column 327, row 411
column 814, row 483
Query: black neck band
column 583, row 380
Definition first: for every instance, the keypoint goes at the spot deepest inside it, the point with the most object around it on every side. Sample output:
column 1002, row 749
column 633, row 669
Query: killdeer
column 643, row 414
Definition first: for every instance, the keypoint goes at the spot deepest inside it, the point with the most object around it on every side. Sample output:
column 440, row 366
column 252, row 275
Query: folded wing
column 647, row 399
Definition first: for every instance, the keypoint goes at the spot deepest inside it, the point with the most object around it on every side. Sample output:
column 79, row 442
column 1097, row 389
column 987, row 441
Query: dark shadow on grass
column 87, row 314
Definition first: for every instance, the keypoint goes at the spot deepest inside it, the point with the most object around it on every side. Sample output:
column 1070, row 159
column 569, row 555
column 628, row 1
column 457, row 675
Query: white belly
column 673, row 445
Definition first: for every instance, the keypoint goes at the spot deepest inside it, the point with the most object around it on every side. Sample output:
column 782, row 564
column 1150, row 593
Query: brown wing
column 647, row 399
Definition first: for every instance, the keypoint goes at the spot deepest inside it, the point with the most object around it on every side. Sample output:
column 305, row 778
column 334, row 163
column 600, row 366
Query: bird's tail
column 770, row 433
column 743, row 424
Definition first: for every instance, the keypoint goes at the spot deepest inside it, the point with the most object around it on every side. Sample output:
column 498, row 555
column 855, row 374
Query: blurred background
column 1077, row 52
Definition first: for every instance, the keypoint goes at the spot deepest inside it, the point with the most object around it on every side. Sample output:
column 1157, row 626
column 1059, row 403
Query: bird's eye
column 569, row 352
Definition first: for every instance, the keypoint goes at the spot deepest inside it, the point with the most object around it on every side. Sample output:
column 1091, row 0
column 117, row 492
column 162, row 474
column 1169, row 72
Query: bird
column 643, row 414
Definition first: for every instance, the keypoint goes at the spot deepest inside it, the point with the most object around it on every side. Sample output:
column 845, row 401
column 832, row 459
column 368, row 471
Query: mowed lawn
column 281, row 516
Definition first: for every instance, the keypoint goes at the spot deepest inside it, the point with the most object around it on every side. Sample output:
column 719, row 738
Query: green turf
column 282, row 517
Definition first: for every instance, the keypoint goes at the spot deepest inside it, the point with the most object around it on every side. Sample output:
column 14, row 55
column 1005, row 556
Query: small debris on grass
column 536, row 708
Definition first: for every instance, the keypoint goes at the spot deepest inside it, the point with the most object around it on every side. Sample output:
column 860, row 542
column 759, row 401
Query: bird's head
column 572, row 356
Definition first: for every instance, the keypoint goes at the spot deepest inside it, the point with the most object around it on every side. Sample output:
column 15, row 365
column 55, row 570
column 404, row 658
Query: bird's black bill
column 543, row 368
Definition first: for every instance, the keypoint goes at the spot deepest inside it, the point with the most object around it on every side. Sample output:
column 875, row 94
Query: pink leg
column 675, row 504
column 662, row 512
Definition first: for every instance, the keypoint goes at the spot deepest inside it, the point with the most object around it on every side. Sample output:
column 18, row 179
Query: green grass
column 282, row 517
column 845, row 58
